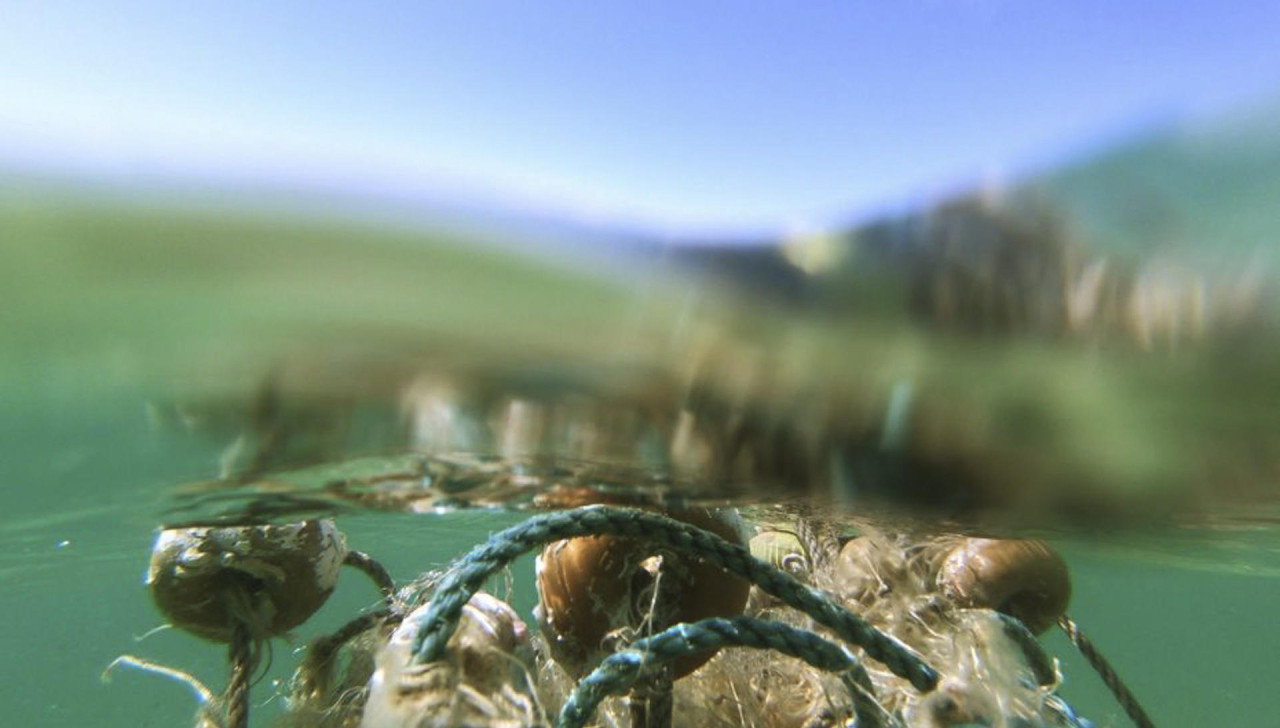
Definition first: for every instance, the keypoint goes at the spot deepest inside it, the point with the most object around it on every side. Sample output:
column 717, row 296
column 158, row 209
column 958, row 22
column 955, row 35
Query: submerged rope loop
column 469, row 573
column 376, row 572
column 621, row 669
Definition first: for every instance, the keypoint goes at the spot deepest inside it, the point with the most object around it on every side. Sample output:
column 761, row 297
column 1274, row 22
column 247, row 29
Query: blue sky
column 683, row 115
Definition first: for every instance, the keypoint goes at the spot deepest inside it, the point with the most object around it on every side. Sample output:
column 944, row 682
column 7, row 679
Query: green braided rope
column 621, row 669
column 469, row 573
column 1042, row 667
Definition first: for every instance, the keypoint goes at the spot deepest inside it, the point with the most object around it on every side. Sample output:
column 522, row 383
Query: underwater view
column 684, row 436
column 448, row 393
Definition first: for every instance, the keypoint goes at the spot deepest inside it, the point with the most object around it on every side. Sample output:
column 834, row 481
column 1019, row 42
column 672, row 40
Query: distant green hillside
column 142, row 290
column 1204, row 192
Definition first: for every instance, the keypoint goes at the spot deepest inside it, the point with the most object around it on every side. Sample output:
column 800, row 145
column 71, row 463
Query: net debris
column 646, row 619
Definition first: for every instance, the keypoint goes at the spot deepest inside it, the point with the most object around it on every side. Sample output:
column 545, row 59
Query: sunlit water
column 1187, row 615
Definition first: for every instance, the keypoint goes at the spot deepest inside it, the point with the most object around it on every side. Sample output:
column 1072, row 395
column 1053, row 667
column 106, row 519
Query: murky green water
column 120, row 316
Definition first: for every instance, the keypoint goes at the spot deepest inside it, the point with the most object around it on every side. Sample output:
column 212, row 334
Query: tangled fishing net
column 838, row 629
column 644, row 619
